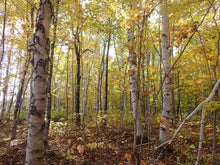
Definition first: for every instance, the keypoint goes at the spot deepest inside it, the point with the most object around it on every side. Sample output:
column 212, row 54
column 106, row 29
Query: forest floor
column 104, row 144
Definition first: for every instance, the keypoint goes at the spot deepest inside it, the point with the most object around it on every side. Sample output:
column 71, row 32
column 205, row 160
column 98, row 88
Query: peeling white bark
column 40, row 45
column 138, row 128
column 167, row 98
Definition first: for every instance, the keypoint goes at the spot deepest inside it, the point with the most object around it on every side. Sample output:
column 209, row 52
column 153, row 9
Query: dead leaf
column 128, row 157
column 81, row 149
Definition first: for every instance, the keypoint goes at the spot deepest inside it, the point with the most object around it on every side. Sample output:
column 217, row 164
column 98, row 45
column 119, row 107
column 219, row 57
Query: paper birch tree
column 40, row 44
column 167, row 93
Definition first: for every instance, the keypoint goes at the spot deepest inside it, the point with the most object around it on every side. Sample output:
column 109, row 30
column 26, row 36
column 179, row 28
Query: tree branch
column 212, row 94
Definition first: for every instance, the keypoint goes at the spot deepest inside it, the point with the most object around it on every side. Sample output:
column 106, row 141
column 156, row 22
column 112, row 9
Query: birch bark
column 138, row 128
column 167, row 99
column 40, row 44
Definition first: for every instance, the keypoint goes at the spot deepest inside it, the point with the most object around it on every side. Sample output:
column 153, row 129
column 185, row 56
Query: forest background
column 122, row 79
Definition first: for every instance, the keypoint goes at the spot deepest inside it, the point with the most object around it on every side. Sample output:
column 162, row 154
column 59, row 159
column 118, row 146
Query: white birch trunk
column 40, row 44
column 167, row 99
column 138, row 128
column 209, row 98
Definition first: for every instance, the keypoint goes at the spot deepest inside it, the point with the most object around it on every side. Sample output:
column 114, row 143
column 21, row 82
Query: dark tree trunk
column 49, row 95
column 72, row 82
column 78, row 77
column 67, row 82
column 106, row 74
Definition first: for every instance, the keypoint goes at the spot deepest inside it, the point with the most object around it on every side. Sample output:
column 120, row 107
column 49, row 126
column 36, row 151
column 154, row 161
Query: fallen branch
column 212, row 94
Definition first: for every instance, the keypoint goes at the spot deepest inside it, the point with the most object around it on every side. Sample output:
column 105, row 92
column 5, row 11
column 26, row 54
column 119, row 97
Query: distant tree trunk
column 178, row 109
column 98, row 89
column 12, row 98
column 133, row 72
column 2, row 57
column 72, row 82
column 5, row 89
column 106, row 74
column 82, row 87
column 116, row 54
column 99, row 84
column 78, row 78
column 148, row 85
column 3, row 37
column 19, row 98
column 40, row 45
column 67, row 82
column 167, row 99
column 49, row 95
column 87, row 82
column 173, row 95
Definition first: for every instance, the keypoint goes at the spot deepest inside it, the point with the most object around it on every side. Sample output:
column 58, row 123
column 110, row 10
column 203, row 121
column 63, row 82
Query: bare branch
column 212, row 94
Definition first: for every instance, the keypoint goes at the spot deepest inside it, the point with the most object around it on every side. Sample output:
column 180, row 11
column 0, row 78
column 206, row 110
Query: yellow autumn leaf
column 122, row 22
column 127, row 26
column 132, row 12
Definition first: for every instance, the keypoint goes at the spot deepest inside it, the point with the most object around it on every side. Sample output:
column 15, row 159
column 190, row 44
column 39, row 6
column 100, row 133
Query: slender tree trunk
column 100, row 80
column 78, row 78
column 173, row 95
column 40, row 44
column 31, row 80
column 19, row 98
column 133, row 72
column 167, row 100
column 106, row 74
column 215, row 113
column 161, row 61
column 87, row 88
column 98, row 87
column 201, row 135
column 72, row 82
column 116, row 54
column 49, row 95
column 178, row 109
column 23, row 98
column 5, row 89
column 201, row 126
column 3, row 37
column 12, row 98
column 144, row 92
column 148, row 85
column 67, row 82
column 3, row 52
column 31, row 54
column 209, row 98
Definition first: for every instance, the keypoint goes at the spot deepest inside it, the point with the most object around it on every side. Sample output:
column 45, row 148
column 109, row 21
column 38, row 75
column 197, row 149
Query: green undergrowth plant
column 58, row 116
column 23, row 115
